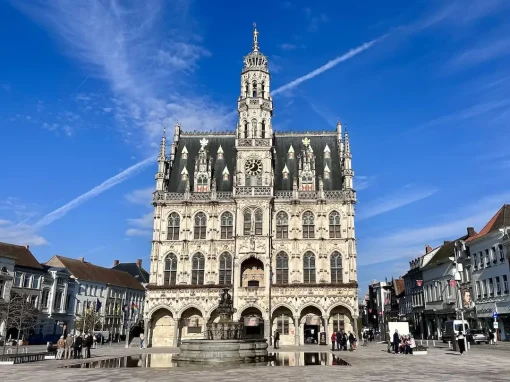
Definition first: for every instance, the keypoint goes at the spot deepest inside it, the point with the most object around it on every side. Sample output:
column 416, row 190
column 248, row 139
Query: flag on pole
column 98, row 305
column 134, row 307
column 453, row 283
column 419, row 283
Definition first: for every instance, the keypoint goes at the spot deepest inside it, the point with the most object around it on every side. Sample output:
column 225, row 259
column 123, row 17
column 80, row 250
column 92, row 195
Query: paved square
column 371, row 363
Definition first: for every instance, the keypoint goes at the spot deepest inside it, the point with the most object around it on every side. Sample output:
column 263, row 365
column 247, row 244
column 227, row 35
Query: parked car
column 478, row 336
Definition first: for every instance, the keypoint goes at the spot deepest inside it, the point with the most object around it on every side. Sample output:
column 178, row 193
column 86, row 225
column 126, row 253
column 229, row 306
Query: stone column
column 355, row 325
column 146, row 335
column 177, row 324
column 326, row 328
column 267, row 330
column 296, row 330
column 204, row 328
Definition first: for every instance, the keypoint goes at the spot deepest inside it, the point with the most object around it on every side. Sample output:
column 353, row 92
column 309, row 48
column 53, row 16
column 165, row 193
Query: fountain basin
column 222, row 351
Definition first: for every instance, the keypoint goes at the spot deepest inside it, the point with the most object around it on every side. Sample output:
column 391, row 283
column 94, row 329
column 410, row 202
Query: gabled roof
column 83, row 270
column 21, row 255
column 134, row 270
column 445, row 251
column 499, row 220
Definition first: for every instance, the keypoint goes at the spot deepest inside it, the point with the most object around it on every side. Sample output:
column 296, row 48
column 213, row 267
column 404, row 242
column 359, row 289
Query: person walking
column 345, row 339
column 396, row 341
column 339, row 340
column 491, row 337
column 69, row 347
column 351, row 341
column 460, row 340
column 142, row 337
column 276, row 339
column 94, row 345
column 333, row 341
column 60, row 347
column 88, row 344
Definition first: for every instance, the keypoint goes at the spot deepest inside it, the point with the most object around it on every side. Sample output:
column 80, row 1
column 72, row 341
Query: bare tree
column 88, row 322
column 19, row 313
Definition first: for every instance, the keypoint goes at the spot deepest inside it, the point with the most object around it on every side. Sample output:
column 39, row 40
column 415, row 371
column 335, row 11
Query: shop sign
column 251, row 321
column 312, row 320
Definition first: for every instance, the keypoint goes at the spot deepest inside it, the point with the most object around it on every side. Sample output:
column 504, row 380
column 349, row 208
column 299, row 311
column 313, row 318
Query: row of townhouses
column 63, row 289
column 468, row 275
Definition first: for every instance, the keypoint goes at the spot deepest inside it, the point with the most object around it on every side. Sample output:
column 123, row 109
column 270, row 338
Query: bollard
column 427, row 343
column 434, row 343
column 449, row 344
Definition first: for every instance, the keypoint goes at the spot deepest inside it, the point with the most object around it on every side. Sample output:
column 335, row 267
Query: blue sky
column 86, row 86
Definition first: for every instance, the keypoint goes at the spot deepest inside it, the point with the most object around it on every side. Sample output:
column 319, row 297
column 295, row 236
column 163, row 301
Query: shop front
column 485, row 313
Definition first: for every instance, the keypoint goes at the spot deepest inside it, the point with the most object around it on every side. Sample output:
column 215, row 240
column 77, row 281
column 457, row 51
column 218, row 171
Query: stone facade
column 269, row 214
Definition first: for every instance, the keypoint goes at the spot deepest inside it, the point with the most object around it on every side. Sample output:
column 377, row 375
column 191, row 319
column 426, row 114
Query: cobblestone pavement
column 371, row 363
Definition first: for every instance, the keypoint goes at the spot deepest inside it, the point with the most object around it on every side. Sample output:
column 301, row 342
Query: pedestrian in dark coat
column 396, row 341
column 78, row 343
column 339, row 340
column 88, row 344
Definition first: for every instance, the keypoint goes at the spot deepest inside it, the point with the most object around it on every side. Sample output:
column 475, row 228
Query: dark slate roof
column 192, row 143
column 134, row 270
column 447, row 250
column 499, row 220
column 21, row 255
column 318, row 142
column 83, row 270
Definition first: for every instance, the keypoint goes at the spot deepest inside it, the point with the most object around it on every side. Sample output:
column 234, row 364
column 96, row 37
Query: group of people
column 403, row 344
column 368, row 336
column 342, row 340
column 73, row 346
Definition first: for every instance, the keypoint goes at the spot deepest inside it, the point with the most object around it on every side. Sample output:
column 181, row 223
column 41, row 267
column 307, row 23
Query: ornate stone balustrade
column 253, row 191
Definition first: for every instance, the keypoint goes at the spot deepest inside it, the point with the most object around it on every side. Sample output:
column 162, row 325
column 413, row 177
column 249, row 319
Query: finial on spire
column 255, row 38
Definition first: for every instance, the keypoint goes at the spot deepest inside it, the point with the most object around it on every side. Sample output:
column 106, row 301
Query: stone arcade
column 269, row 214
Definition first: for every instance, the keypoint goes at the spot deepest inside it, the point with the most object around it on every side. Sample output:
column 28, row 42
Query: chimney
column 27, row 246
column 82, row 259
column 446, row 242
column 115, row 263
column 428, row 249
column 139, row 263
column 471, row 231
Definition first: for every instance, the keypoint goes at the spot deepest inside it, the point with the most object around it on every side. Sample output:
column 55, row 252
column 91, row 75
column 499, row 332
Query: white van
column 451, row 329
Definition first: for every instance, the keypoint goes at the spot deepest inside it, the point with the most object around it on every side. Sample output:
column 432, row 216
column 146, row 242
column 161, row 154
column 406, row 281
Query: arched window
column 225, row 269
column 44, row 298
column 254, row 89
column 202, row 185
column 282, row 225
column 253, row 220
column 282, row 268
column 309, row 268
column 308, row 225
column 246, row 89
column 170, row 272
column 197, row 269
column 174, row 224
column 200, row 226
column 336, row 268
column 263, row 130
column 227, row 225
column 254, row 128
column 334, row 225
column 262, row 90
column 246, row 129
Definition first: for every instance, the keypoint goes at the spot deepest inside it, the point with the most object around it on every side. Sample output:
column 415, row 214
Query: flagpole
column 85, row 318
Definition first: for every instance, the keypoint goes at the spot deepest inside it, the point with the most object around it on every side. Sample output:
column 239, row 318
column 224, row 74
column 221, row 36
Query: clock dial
column 253, row 167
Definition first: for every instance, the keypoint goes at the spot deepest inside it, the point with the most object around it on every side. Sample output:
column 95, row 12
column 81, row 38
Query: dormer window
column 225, row 174
column 202, row 183
column 220, row 153
column 306, row 181
column 285, row 172
column 184, row 174
column 290, row 153
column 184, row 153
column 327, row 152
column 327, row 172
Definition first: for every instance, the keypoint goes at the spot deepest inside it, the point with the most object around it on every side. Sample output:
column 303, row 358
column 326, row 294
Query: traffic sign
column 496, row 324
column 495, row 315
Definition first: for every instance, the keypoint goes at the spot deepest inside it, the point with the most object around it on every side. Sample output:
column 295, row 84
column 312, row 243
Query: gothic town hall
column 268, row 214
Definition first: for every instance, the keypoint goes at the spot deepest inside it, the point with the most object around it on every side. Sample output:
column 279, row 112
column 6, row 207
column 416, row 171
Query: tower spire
column 255, row 38
column 162, row 148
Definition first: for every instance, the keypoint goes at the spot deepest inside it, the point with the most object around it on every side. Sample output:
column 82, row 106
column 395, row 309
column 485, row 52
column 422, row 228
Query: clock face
column 253, row 167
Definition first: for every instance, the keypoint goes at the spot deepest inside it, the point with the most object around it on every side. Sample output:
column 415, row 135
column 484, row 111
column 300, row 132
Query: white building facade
column 269, row 215
column 489, row 258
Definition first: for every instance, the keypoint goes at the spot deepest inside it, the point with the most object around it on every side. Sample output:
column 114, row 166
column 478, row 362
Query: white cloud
column 123, row 43
column 137, row 232
column 409, row 243
column 329, row 65
column 402, row 198
column 140, row 196
column 488, row 51
column 21, row 234
column 141, row 226
column 362, row 182
column 288, row 46
column 95, row 191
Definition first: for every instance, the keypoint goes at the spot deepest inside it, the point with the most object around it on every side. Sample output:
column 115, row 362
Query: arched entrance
column 252, row 273
column 340, row 320
column 162, row 325
column 310, row 325
column 283, row 321
column 253, row 323
column 193, row 323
